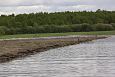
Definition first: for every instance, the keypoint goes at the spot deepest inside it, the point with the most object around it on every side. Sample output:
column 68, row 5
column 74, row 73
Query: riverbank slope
column 20, row 48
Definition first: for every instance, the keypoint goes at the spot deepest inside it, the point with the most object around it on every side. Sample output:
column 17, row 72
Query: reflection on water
column 93, row 59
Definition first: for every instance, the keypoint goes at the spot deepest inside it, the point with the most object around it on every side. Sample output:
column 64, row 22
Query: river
column 91, row 59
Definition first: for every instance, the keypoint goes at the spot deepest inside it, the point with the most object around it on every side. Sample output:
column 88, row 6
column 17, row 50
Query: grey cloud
column 37, row 2
column 28, row 6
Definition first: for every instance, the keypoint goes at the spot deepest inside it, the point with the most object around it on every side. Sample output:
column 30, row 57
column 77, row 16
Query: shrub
column 103, row 27
column 113, row 24
column 86, row 27
column 3, row 30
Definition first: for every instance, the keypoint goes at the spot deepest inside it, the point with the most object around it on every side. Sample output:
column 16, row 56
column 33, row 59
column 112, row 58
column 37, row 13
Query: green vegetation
column 58, row 22
column 56, row 34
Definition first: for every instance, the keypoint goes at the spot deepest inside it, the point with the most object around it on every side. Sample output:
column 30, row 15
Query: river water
column 91, row 59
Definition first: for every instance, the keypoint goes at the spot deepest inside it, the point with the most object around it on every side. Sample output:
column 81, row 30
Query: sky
column 33, row 6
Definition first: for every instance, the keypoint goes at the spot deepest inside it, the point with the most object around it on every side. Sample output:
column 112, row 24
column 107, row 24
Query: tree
column 57, row 22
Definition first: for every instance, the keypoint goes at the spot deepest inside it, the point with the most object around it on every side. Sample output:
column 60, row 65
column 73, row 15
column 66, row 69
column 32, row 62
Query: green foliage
column 103, row 27
column 57, row 22
column 113, row 25
column 86, row 27
column 2, row 30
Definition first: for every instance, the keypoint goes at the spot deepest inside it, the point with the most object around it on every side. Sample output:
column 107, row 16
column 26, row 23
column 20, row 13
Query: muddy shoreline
column 12, row 49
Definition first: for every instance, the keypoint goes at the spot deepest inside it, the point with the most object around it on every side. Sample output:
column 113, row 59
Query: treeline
column 100, row 20
column 57, row 28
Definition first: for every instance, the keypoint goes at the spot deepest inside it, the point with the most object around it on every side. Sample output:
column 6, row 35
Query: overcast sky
column 29, row 6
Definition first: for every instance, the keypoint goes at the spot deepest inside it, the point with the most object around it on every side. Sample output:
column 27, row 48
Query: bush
column 103, row 27
column 86, row 27
column 113, row 25
column 56, row 28
column 76, row 27
column 3, row 30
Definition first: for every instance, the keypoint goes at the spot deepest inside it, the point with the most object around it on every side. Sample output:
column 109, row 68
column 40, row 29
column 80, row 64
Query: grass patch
column 56, row 34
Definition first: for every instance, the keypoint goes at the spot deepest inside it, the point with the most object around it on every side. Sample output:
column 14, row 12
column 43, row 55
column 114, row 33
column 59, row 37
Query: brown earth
column 12, row 49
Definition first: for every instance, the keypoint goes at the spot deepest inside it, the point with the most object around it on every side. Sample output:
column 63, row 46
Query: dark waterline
column 92, row 59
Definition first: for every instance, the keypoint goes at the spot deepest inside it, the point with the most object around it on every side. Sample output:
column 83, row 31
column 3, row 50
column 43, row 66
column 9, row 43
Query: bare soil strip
column 20, row 48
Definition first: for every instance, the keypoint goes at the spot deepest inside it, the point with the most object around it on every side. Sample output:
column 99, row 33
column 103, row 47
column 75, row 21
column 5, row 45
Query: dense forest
column 57, row 22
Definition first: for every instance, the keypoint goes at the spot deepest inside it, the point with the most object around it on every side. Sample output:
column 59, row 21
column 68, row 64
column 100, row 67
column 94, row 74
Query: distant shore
column 20, row 48
column 39, row 35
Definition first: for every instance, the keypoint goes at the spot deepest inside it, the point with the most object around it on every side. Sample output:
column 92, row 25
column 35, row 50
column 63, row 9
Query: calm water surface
column 92, row 59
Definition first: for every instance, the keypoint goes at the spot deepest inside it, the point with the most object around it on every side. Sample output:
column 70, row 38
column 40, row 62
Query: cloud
column 29, row 6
